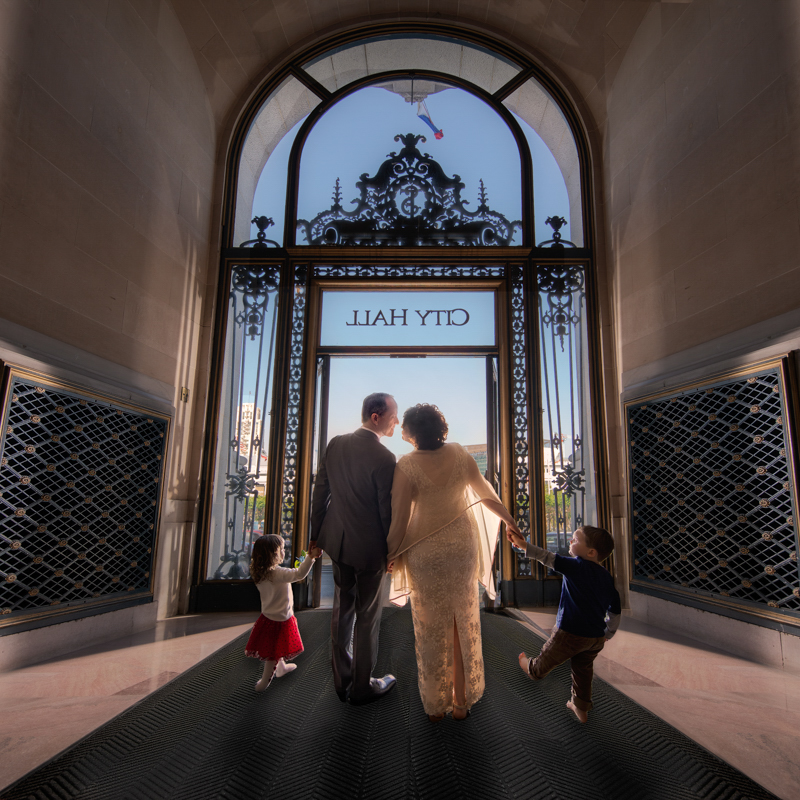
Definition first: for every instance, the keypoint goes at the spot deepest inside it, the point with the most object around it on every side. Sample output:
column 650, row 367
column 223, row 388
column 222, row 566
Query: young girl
column 275, row 638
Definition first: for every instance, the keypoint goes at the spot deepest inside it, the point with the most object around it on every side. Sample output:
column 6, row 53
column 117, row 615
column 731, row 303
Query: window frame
column 292, row 258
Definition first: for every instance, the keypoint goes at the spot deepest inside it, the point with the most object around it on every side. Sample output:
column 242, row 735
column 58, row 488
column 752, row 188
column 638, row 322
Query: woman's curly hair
column 426, row 425
column 265, row 556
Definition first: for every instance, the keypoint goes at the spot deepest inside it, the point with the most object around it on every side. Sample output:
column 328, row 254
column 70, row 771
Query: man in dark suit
column 350, row 514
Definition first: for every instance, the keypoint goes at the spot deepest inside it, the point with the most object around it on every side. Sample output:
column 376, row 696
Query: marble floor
column 747, row 714
column 48, row 706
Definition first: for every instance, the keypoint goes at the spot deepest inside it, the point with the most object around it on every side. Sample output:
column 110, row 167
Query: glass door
column 463, row 387
column 320, row 438
column 492, row 472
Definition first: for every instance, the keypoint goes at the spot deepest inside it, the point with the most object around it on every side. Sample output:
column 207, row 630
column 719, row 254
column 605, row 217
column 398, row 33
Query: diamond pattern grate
column 79, row 494
column 711, row 491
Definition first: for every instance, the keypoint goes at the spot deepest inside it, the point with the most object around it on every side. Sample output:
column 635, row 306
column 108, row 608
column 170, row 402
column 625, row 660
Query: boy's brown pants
column 581, row 651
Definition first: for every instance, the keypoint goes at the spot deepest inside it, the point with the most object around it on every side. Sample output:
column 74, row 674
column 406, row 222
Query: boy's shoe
column 582, row 715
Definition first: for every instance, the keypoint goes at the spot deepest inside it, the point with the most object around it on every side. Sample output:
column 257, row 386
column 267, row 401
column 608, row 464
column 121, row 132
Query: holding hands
column 313, row 551
column 515, row 537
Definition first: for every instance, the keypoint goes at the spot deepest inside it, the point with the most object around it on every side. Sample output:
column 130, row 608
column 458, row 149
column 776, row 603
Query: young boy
column 588, row 612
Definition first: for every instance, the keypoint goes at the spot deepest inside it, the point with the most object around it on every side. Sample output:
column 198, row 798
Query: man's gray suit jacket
column 351, row 508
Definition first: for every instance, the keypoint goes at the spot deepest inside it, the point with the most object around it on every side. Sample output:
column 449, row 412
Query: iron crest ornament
column 262, row 223
column 558, row 242
column 409, row 202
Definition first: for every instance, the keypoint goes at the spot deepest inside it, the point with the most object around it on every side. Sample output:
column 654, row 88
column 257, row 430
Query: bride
column 445, row 519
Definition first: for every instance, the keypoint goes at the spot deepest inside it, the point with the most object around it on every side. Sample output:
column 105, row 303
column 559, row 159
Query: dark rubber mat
column 207, row 734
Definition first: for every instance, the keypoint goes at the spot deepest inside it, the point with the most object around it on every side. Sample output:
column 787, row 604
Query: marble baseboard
column 22, row 649
column 757, row 644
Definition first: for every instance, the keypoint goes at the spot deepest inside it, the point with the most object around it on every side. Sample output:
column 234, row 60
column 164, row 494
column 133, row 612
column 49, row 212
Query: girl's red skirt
column 271, row 640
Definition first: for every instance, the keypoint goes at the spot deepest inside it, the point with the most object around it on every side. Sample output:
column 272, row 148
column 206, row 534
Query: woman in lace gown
column 445, row 519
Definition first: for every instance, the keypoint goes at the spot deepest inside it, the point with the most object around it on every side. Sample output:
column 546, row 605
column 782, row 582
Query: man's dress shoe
column 343, row 694
column 378, row 687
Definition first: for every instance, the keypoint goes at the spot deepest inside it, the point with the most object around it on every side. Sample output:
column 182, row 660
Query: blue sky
column 456, row 385
column 356, row 136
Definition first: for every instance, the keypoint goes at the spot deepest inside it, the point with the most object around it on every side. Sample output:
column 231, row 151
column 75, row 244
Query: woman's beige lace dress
column 440, row 553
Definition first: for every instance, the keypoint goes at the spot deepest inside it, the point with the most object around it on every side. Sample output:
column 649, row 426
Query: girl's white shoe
column 284, row 669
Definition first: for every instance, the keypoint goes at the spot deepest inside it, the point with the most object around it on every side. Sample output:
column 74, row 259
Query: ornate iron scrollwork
column 570, row 498
column 241, row 484
column 561, row 284
column 253, row 284
column 568, row 480
column 249, row 367
column 400, row 271
column 519, row 371
column 410, row 201
column 289, row 501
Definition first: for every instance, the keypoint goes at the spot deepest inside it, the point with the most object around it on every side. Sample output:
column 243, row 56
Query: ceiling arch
column 237, row 43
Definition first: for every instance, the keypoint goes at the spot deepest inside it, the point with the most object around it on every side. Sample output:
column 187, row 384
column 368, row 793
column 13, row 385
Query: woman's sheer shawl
column 418, row 514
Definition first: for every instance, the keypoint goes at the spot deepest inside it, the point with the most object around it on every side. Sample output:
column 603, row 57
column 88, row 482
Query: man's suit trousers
column 357, row 599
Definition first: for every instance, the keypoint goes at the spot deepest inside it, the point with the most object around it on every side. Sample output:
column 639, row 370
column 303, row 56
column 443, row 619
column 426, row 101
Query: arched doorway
column 408, row 231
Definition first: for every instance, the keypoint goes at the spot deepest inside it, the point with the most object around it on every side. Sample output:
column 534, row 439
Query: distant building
column 549, row 476
column 247, row 428
column 251, row 428
column 480, row 454
column 551, row 447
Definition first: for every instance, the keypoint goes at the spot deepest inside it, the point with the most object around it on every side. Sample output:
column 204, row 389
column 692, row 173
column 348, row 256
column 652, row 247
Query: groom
column 350, row 515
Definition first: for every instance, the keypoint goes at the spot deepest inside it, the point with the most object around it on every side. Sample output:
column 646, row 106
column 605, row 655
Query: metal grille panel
column 519, row 369
column 79, row 498
column 293, row 414
column 712, row 498
column 404, row 271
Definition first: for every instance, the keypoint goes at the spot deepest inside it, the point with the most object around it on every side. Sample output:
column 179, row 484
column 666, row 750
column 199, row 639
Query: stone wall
column 701, row 150
column 107, row 152
column 701, row 161
column 114, row 122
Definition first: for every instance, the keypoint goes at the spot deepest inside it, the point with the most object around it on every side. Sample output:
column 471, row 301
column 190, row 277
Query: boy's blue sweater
column 588, row 594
